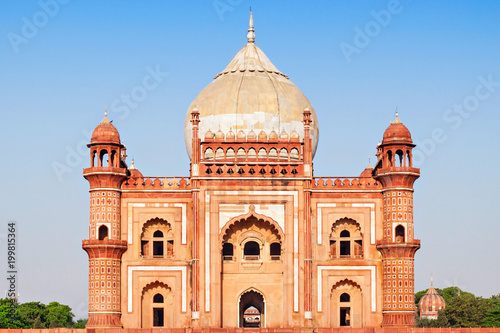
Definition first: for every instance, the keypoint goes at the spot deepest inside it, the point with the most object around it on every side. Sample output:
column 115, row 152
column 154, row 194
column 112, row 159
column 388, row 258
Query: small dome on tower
column 105, row 132
column 262, row 136
column 295, row 137
column 273, row 136
column 241, row 136
column 134, row 172
column 367, row 172
column 230, row 135
column 397, row 132
column 283, row 135
column 219, row 136
column 251, row 136
column 209, row 135
column 431, row 303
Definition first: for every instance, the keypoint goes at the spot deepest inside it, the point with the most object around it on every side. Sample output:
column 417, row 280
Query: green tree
column 30, row 312
column 467, row 311
column 58, row 315
column 34, row 315
column 80, row 323
column 492, row 317
column 38, row 323
column 9, row 314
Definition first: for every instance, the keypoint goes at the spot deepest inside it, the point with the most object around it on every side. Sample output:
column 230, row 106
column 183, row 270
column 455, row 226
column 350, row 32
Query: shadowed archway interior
column 253, row 299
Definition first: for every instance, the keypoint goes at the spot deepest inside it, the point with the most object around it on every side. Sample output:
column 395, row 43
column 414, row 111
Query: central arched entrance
column 252, row 309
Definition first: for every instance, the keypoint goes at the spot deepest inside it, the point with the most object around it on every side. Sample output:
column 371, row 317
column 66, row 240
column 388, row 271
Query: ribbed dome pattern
column 430, row 304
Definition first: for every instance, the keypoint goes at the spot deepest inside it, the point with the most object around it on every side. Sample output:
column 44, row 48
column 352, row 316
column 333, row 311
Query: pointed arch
column 248, row 298
column 346, row 304
column 345, row 282
column 157, row 239
column 346, row 239
column 274, row 226
column 156, row 305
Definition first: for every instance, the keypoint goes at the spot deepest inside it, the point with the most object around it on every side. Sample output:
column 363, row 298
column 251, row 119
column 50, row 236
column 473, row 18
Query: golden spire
column 251, row 34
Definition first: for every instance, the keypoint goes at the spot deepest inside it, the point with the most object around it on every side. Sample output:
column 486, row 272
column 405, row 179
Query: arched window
column 408, row 157
column 283, row 154
column 94, row 154
column 345, row 233
column 273, row 153
column 230, row 153
column 262, row 153
column 252, row 153
column 158, row 311
column 158, row 243
column 227, row 251
column 103, row 232
column 158, row 298
column 345, row 310
column 251, row 251
column 345, row 243
column 275, row 251
column 113, row 159
column 400, row 158
column 345, row 297
column 209, row 154
column 294, row 154
column 219, row 154
column 389, row 158
column 157, row 239
column 240, row 153
column 103, row 158
column 346, row 240
column 400, row 234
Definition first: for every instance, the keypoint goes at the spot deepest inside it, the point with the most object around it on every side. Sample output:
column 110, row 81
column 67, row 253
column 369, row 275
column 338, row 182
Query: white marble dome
column 251, row 94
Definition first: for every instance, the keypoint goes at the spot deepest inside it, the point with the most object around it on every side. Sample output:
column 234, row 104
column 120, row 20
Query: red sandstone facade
column 251, row 227
column 251, row 230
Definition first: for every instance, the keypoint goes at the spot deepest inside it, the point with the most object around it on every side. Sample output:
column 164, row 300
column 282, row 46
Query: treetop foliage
column 36, row 315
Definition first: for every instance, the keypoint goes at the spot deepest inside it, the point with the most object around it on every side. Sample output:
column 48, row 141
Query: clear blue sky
column 437, row 62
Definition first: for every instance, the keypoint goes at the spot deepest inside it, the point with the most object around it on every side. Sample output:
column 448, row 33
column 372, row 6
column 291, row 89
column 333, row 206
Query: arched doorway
column 252, row 247
column 346, row 305
column 252, row 309
column 157, row 305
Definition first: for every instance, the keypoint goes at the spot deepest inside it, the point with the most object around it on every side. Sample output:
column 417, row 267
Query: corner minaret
column 395, row 171
column 104, row 246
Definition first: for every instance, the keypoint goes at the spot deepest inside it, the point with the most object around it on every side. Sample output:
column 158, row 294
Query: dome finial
column 132, row 165
column 432, row 281
column 105, row 120
column 396, row 120
column 251, row 34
